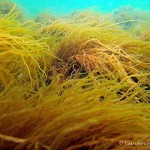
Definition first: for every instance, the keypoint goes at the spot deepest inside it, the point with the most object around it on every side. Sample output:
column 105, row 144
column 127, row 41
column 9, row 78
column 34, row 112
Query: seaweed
column 72, row 83
column 136, row 21
column 45, row 18
column 6, row 7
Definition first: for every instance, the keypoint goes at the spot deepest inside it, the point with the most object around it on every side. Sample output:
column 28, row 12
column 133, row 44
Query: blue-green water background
column 34, row 7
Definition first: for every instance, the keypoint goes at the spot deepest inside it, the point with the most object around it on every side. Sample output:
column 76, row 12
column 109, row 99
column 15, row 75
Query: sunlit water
column 60, row 7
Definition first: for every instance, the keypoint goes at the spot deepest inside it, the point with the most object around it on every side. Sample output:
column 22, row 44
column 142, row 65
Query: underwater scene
column 74, row 75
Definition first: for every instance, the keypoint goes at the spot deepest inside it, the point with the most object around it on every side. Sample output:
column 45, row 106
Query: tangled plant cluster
column 75, row 82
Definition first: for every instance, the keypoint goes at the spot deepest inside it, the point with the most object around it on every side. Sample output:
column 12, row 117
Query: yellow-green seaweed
column 73, row 84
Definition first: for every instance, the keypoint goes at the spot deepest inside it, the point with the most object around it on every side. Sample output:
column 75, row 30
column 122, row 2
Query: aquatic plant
column 86, row 117
column 135, row 21
column 45, row 18
column 83, row 48
column 22, row 62
column 6, row 7
column 72, row 84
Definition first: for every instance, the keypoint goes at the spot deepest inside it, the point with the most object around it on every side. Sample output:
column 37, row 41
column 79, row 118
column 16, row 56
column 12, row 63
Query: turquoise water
column 34, row 7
